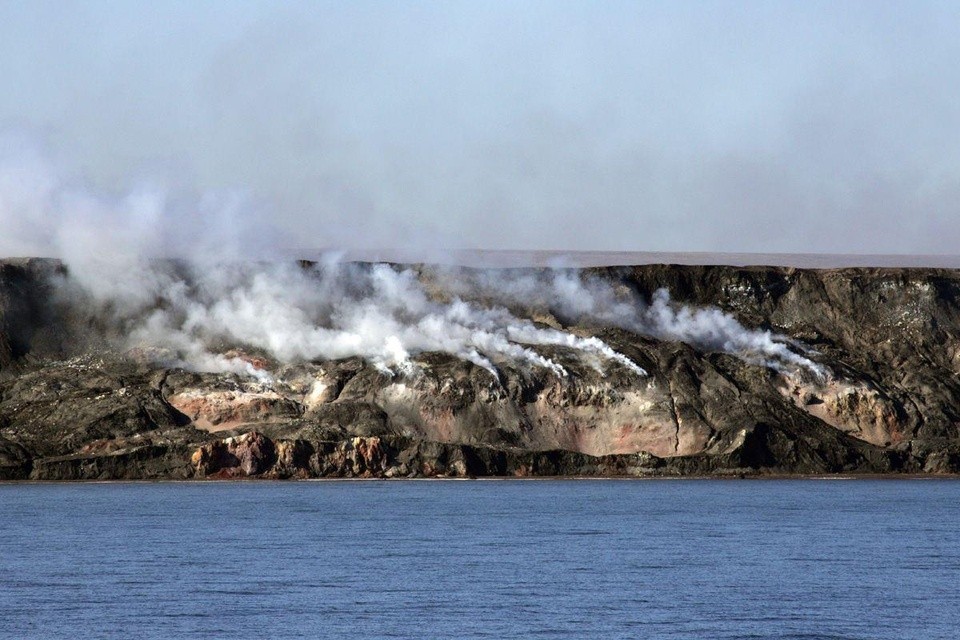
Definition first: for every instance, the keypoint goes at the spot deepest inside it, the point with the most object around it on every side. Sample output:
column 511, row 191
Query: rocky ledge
column 884, row 396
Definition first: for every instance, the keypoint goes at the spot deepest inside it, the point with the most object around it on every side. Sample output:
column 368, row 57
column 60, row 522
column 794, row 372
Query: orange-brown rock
column 215, row 410
column 246, row 455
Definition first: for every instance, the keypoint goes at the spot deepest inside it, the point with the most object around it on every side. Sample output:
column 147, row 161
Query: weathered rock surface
column 70, row 408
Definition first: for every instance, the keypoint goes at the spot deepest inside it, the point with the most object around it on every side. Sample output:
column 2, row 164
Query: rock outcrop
column 888, row 400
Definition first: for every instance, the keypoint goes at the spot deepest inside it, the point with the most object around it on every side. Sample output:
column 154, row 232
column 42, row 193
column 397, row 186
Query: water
column 482, row 559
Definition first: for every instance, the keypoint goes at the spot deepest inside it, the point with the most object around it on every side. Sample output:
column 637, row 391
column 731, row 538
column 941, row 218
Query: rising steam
column 221, row 294
column 580, row 298
column 328, row 311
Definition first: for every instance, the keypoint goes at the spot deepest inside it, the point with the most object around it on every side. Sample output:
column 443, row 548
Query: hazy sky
column 672, row 126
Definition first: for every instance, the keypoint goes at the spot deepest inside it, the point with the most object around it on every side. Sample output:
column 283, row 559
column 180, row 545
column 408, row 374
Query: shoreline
column 732, row 478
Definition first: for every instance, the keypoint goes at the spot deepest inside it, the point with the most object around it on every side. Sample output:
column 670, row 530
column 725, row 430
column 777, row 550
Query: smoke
column 326, row 311
column 46, row 211
column 293, row 312
column 579, row 298
column 228, row 295
column 660, row 126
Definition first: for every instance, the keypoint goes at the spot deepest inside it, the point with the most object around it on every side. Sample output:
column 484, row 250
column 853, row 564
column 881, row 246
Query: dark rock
column 15, row 461
column 70, row 408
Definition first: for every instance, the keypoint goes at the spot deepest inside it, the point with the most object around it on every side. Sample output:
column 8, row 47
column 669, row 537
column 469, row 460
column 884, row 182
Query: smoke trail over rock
column 582, row 298
column 229, row 288
column 294, row 313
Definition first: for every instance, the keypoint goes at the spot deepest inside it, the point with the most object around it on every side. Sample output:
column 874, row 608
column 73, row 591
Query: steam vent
column 303, row 370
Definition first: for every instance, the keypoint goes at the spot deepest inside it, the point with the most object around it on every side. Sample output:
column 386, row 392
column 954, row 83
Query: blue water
column 482, row 559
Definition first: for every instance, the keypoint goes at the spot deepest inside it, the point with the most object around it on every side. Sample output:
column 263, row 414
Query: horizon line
column 581, row 258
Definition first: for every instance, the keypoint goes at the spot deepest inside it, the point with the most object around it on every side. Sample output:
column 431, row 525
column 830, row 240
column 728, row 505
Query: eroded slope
column 863, row 379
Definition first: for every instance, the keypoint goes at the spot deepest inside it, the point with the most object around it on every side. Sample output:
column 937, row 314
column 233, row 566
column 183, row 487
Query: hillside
column 399, row 371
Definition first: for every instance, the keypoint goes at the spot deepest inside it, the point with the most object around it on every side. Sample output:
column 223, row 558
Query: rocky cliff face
column 880, row 393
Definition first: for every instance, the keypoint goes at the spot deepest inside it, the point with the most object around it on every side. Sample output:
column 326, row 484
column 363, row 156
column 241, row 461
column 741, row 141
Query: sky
column 795, row 127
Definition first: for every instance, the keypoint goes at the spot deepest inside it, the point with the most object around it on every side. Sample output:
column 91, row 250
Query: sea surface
column 482, row 559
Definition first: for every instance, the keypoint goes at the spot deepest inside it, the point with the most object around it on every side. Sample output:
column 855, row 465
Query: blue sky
column 673, row 126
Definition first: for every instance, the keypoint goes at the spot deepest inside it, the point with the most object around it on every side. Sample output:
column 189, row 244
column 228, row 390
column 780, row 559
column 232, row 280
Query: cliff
column 866, row 382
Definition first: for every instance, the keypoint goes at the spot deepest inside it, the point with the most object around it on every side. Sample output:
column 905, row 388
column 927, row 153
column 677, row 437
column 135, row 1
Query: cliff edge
column 728, row 371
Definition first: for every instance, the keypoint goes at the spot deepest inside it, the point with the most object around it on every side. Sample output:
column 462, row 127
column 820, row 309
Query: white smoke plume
column 294, row 312
column 580, row 298
column 47, row 212
column 227, row 290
